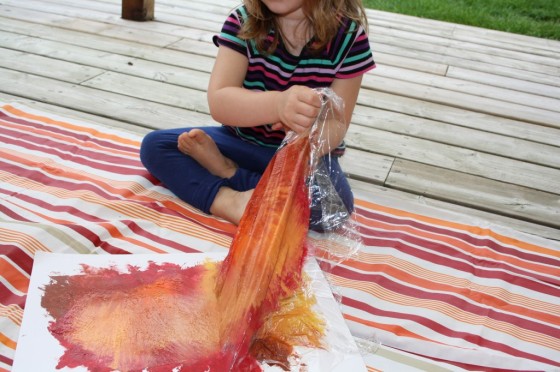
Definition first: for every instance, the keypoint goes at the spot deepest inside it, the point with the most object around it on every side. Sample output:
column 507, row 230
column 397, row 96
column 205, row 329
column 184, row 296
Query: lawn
column 540, row 18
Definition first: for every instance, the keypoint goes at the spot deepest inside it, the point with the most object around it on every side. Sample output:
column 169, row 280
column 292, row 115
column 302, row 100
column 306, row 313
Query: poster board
column 37, row 349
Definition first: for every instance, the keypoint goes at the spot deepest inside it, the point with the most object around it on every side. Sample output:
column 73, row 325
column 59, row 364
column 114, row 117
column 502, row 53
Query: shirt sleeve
column 230, row 30
column 359, row 58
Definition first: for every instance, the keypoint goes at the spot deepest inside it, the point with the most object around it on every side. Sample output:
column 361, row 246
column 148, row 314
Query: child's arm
column 296, row 108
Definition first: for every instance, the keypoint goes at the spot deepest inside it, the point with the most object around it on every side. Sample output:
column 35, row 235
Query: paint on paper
column 160, row 318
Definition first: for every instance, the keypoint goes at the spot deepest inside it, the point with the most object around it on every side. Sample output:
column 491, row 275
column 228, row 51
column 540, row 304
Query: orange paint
column 266, row 257
column 206, row 317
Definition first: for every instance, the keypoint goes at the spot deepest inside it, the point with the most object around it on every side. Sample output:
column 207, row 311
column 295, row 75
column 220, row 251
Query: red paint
column 203, row 317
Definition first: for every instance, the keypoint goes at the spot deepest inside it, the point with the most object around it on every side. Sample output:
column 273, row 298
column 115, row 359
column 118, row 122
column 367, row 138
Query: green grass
column 540, row 18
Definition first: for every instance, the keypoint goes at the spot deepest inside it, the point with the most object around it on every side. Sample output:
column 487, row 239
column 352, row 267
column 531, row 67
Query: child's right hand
column 298, row 107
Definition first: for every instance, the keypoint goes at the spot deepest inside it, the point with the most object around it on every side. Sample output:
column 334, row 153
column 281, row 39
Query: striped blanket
column 428, row 290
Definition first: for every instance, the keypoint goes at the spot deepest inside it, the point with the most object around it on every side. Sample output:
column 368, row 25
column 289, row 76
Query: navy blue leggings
column 191, row 182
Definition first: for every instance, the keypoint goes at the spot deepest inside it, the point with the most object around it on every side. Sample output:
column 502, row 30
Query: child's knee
column 329, row 212
column 150, row 148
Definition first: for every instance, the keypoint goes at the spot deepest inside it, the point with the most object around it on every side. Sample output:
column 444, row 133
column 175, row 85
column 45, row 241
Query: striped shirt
column 347, row 55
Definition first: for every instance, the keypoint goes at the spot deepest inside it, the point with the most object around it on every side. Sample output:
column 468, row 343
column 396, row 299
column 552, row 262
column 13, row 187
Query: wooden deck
column 461, row 118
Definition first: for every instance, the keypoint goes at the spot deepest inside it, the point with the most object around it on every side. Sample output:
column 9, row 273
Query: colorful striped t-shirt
column 347, row 55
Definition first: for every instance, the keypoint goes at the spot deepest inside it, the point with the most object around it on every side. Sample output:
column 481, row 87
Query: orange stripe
column 7, row 341
column 132, row 210
column 117, row 234
column 18, row 280
column 516, row 332
column 28, row 161
column 207, row 220
column 475, row 296
column 109, row 227
column 73, row 127
column 28, row 243
column 458, row 226
column 12, row 312
column 460, row 283
column 395, row 329
column 69, row 139
column 457, row 243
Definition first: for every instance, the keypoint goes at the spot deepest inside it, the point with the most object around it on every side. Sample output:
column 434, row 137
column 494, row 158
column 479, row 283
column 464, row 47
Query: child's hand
column 298, row 108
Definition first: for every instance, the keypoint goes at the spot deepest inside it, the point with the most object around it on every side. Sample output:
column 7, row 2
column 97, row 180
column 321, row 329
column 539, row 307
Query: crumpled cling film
column 335, row 233
column 267, row 298
column 333, row 238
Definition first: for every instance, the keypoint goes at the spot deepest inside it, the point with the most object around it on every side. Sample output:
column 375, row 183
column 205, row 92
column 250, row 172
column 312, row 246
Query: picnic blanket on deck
column 428, row 290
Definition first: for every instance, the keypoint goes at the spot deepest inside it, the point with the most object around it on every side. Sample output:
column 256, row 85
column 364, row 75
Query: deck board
column 463, row 118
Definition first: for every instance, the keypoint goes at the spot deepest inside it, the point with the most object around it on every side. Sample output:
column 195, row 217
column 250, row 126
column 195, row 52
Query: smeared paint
column 265, row 261
column 160, row 317
column 207, row 317
column 163, row 317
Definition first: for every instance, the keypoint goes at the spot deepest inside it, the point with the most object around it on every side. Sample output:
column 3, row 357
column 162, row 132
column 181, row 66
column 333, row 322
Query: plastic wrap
column 271, row 315
column 333, row 234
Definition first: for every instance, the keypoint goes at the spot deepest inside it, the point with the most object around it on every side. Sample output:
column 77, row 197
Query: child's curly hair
column 324, row 17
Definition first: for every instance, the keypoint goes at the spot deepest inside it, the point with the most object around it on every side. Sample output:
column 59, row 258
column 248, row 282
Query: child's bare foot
column 202, row 148
column 230, row 204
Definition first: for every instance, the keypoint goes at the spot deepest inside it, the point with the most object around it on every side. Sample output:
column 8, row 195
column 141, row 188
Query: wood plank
column 472, row 51
column 517, row 84
column 531, row 44
column 217, row 25
column 481, row 193
column 456, row 99
column 453, row 115
column 167, row 21
column 54, row 10
column 387, row 120
column 109, row 61
column 38, row 65
column 151, row 90
column 109, row 44
column 485, row 66
column 66, row 51
column 148, row 37
column 74, row 114
column 479, row 89
column 366, row 166
column 535, row 118
column 106, row 104
column 429, row 152
column 423, row 25
column 193, row 49
column 455, row 158
column 468, row 138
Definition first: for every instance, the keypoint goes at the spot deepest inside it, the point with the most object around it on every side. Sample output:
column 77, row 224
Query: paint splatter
column 162, row 317
column 200, row 318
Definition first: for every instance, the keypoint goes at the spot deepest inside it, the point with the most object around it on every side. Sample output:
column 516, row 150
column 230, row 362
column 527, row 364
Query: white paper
column 38, row 350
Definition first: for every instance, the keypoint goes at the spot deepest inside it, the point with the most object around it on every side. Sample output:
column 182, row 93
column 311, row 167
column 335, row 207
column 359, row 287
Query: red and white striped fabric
column 437, row 291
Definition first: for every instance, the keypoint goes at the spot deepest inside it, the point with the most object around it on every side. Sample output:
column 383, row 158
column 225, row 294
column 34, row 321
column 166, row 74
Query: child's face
column 284, row 7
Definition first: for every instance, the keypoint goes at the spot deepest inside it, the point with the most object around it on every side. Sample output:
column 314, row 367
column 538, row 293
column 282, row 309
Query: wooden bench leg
column 138, row 10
